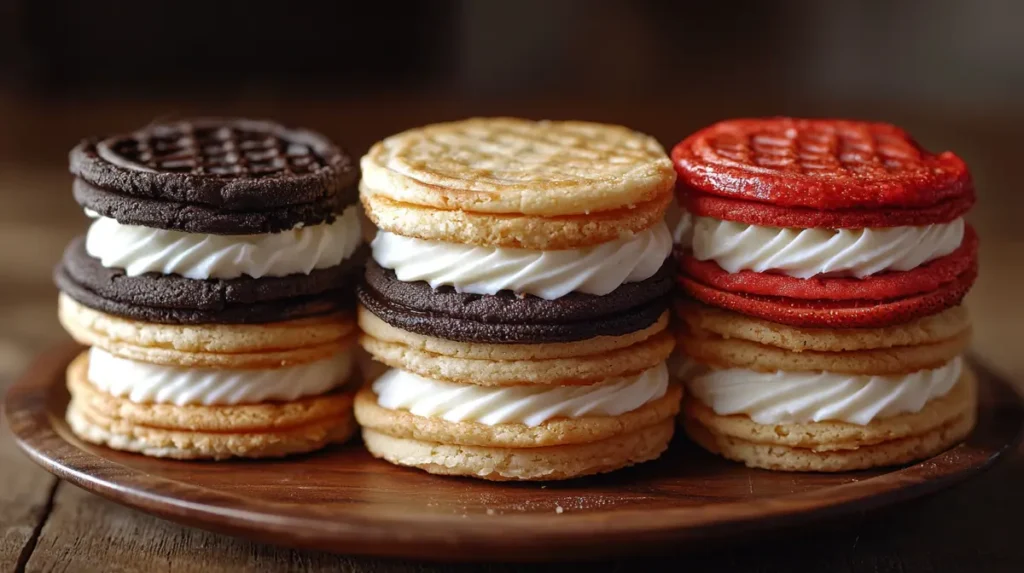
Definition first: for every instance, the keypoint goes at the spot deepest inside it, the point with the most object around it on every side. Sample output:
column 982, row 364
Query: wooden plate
column 344, row 501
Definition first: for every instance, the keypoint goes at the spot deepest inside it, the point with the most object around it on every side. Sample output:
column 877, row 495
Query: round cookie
column 830, row 436
column 707, row 321
column 506, row 464
column 556, row 432
column 819, row 164
column 571, row 370
column 91, row 324
column 173, row 299
column 508, row 318
column 232, row 346
column 254, row 313
column 230, row 164
column 737, row 353
column 515, row 231
column 836, row 314
column 198, row 218
column 767, row 215
column 518, row 167
column 783, row 458
column 373, row 326
column 193, row 445
column 884, row 286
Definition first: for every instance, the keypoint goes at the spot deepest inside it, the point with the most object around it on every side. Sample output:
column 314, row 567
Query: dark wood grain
column 25, row 491
column 343, row 500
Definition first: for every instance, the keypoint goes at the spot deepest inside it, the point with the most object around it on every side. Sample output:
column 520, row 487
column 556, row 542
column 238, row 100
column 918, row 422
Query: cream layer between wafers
column 804, row 397
column 596, row 270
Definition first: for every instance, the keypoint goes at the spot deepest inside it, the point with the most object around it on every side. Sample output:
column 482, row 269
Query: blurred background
column 950, row 71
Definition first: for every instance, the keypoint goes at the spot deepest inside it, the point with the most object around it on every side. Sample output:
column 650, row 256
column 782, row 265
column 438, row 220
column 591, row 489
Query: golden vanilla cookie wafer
column 234, row 346
column 507, row 464
column 736, row 353
column 785, row 458
column 515, row 231
column 120, row 434
column 704, row 320
column 518, row 167
column 572, row 370
column 554, row 432
column 88, row 324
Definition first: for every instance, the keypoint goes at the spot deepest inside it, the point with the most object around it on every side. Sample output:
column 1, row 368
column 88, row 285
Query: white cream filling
column 139, row 250
column 805, row 253
column 529, row 405
column 802, row 397
column 597, row 270
column 143, row 382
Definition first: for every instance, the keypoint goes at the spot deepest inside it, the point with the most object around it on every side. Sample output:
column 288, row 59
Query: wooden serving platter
column 345, row 501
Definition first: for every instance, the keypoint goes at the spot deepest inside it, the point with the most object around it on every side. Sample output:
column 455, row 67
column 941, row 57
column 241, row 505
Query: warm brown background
column 950, row 71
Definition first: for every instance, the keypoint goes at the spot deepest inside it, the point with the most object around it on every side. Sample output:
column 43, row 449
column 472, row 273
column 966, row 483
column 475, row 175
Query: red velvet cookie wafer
column 836, row 313
column 884, row 286
column 751, row 213
column 820, row 164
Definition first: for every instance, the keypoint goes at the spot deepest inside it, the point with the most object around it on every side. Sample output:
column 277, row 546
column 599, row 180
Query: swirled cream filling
column 139, row 250
column 598, row 269
column 805, row 253
column 531, row 405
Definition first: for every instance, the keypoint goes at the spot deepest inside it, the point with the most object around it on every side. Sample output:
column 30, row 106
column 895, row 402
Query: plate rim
column 595, row 533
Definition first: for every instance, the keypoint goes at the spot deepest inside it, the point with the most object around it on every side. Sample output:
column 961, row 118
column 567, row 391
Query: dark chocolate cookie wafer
column 506, row 317
column 196, row 218
column 231, row 164
column 178, row 300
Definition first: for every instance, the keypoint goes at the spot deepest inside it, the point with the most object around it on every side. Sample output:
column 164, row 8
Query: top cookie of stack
column 514, row 183
column 517, row 289
column 188, row 200
column 215, row 287
column 828, row 259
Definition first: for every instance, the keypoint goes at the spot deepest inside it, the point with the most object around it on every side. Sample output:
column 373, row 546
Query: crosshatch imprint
column 844, row 152
column 225, row 151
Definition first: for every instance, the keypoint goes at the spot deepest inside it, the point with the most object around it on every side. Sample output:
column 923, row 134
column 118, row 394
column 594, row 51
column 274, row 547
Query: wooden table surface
column 46, row 525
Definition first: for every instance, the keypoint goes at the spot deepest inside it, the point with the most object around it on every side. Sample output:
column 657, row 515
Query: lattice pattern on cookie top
column 237, row 149
column 855, row 150
column 818, row 163
column 512, row 153
column 519, row 167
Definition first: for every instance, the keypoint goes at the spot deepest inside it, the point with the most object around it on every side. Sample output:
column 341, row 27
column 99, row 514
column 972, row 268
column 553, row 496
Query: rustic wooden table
column 47, row 525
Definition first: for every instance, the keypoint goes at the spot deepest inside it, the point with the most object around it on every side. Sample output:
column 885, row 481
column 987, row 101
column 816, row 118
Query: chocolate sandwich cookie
column 230, row 164
column 215, row 286
column 826, row 260
column 518, row 293
column 215, row 176
column 507, row 317
column 173, row 299
column 198, row 218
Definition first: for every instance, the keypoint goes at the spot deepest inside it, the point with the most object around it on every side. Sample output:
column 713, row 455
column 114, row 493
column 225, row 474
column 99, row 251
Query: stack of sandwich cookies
column 826, row 262
column 215, row 288
column 518, row 291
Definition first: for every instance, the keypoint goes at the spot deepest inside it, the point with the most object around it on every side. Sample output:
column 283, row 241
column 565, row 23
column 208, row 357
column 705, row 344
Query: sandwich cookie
column 826, row 261
column 818, row 223
column 518, row 292
column 215, row 287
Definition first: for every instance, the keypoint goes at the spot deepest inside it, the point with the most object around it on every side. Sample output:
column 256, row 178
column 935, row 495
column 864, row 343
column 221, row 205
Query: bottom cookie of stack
column 797, row 399
column 532, row 432
column 210, row 391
